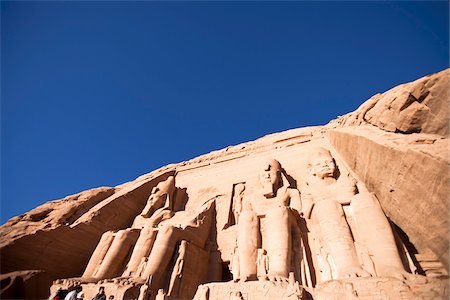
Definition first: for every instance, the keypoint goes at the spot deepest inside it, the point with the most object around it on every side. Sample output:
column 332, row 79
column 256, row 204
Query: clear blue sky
column 98, row 93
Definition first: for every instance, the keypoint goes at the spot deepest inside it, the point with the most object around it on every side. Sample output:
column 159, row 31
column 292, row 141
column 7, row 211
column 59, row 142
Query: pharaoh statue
column 142, row 253
column 158, row 208
column 340, row 211
column 111, row 252
column 270, row 211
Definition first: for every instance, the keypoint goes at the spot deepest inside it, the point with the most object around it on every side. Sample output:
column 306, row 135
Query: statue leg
column 99, row 254
column 279, row 242
column 375, row 230
column 142, row 249
column 115, row 258
column 338, row 239
column 160, row 255
column 247, row 240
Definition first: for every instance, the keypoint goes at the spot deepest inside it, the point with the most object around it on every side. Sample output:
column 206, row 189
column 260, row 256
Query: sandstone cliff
column 396, row 143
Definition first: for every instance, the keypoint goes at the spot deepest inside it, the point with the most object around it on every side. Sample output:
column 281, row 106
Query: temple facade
column 356, row 209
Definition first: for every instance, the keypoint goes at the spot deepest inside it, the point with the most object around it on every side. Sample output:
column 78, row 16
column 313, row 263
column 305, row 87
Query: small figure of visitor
column 101, row 294
column 72, row 295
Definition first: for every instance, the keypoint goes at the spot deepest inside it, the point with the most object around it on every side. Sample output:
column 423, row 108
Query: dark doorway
column 226, row 274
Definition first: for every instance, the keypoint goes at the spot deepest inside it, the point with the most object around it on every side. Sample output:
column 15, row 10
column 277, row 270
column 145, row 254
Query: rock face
column 419, row 106
column 354, row 209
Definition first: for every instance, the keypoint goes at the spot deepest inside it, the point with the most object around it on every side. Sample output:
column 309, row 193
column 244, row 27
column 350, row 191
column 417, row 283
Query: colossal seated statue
column 268, row 220
column 144, row 252
column 337, row 230
column 109, row 257
column 158, row 208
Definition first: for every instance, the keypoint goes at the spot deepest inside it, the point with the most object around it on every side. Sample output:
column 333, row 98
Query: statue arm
column 295, row 201
column 348, row 190
column 307, row 205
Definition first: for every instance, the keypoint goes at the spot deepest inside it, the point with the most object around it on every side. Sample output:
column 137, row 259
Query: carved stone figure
column 237, row 200
column 161, row 295
column 143, row 292
column 235, row 265
column 161, row 198
column 277, row 205
column 323, row 197
column 247, row 241
column 111, row 253
column 177, row 272
column 152, row 242
column 262, row 264
column 158, row 208
column 141, row 266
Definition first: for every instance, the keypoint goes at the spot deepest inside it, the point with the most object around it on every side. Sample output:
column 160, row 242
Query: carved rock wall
column 418, row 106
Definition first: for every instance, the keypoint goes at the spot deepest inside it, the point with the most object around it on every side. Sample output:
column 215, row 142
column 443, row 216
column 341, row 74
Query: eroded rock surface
column 419, row 106
column 355, row 209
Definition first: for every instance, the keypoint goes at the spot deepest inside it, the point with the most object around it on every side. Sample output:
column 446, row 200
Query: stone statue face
column 157, row 194
column 270, row 174
column 160, row 191
column 323, row 166
column 270, row 178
